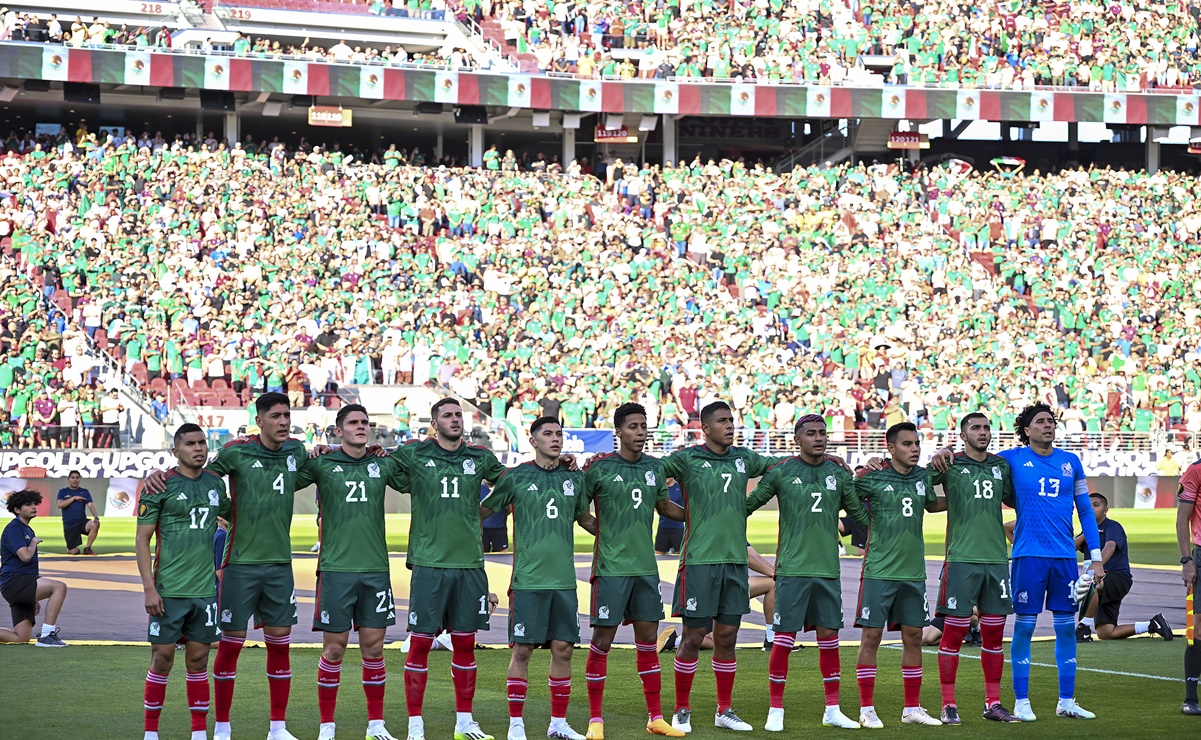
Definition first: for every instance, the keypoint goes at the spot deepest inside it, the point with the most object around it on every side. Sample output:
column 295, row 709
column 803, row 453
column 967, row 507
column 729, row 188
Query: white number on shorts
column 552, row 511
column 354, row 486
column 278, row 485
column 1004, row 588
column 385, row 601
column 907, row 506
column 636, row 495
column 484, row 604
column 210, row 611
column 817, row 502
column 729, row 477
column 204, row 517
column 1042, row 488
column 453, row 490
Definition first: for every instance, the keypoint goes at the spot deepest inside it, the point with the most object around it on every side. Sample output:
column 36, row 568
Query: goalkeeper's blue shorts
column 1036, row 581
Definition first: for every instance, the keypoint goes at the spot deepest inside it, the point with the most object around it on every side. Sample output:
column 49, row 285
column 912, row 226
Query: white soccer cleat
column 378, row 732
column 835, row 718
column 416, row 728
column 517, row 732
column 728, row 720
column 326, row 732
column 1069, row 708
column 281, row 734
column 562, row 731
column 443, row 642
column 869, row 719
column 471, row 731
column 219, row 735
column 775, row 720
column 682, row 720
column 1023, row 711
column 919, row 716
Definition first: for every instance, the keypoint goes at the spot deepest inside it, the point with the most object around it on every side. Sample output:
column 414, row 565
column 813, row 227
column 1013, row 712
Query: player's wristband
column 1094, row 555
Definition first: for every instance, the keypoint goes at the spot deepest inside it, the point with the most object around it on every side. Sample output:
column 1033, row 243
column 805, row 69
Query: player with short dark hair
column 626, row 488
column 976, row 568
column 543, row 607
column 354, row 589
column 810, row 491
column 1188, row 538
column 892, row 591
column 75, row 503
column 20, row 581
column 1106, row 603
column 180, row 591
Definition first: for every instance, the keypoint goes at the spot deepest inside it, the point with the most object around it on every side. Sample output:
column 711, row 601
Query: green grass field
column 1151, row 532
column 96, row 692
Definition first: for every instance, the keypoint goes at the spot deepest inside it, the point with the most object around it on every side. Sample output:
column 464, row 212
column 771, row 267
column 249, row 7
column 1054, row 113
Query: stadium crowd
column 868, row 293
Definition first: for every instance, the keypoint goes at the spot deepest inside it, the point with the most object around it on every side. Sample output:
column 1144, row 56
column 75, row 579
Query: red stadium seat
column 200, row 385
column 101, row 339
column 219, row 384
column 139, row 374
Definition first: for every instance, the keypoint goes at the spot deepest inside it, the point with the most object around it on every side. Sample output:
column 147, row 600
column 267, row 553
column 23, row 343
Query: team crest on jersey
column 865, row 614
column 412, row 617
column 921, row 489
column 739, row 465
column 650, row 477
column 831, row 483
column 227, row 616
column 519, row 629
column 996, row 472
column 1022, row 598
column 469, row 467
column 775, row 618
column 602, row 612
column 1066, row 469
column 143, row 509
column 568, row 488
column 373, row 470
column 291, row 464
column 154, row 629
column 690, row 605
column 952, row 603
column 324, row 617
column 214, row 498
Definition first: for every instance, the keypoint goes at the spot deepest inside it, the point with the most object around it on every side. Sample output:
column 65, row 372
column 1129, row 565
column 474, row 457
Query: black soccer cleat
column 1083, row 633
column 975, row 639
column 998, row 713
column 1159, row 626
column 1191, row 708
column 950, row 715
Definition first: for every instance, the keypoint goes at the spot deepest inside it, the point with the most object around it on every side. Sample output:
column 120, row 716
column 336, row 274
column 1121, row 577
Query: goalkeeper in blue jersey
column 1049, row 485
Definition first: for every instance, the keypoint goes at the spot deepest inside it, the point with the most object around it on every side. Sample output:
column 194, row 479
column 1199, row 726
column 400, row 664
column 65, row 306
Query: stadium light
column 613, row 121
column 648, row 123
column 572, row 120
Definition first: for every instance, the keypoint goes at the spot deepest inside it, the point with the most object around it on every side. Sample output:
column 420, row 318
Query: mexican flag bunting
column 371, row 83
column 742, row 100
column 296, row 78
column 667, row 97
column 791, row 101
column 818, row 104
column 216, row 73
column 1186, row 110
column 1115, row 108
column 639, row 97
column 942, row 103
column 418, row 85
column 54, row 63
column 967, row 105
column 864, row 102
column 345, row 81
column 892, row 102
column 591, row 95
column 1042, row 106
column 189, row 71
column 137, row 68
column 446, row 87
column 520, row 88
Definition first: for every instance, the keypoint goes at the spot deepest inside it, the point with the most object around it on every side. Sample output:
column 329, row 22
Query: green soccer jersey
column 350, row 497
column 262, row 484
column 809, row 497
column 185, row 522
column 544, row 506
column 444, row 530
column 895, row 548
column 714, row 488
column 975, row 490
column 625, row 494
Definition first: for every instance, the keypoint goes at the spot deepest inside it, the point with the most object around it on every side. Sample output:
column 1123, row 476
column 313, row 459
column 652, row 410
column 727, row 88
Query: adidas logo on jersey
column 430, row 464
column 706, row 465
column 618, row 479
column 797, row 482
column 182, row 497
column 966, row 471
column 1028, row 464
column 257, row 464
column 887, row 488
column 533, row 487
column 338, row 469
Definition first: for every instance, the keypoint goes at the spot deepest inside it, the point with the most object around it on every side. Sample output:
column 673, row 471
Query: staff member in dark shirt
column 19, row 582
column 495, row 527
column 75, row 503
column 670, row 534
column 1107, row 602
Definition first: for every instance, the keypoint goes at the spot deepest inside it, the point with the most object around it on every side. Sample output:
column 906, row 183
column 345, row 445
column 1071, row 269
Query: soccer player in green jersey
column 712, row 579
column 976, row 571
column 353, row 583
column 543, row 607
column 810, row 491
column 627, row 489
column 257, row 566
column 448, row 587
column 892, row 589
column 181, row 592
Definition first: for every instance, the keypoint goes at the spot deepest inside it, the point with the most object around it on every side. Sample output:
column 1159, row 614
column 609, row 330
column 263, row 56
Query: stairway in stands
column 493, row 31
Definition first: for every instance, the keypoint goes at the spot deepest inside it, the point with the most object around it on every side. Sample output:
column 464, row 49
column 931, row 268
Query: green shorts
column 720, row 592
column 804, row 602
column 892, row 604
column 624, row 599
column 447, row 598
column 353, row 600
column 536, row 617
column 192, row 619
column 264, row 591
column 965, row 585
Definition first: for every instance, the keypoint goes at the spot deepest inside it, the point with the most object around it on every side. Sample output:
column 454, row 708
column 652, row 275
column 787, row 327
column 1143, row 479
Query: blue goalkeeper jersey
column 1048, row 490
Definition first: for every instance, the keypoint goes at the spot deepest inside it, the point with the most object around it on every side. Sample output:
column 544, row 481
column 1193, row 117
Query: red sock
column 517, row 688
column 198, row 699
column 911, row 677
column 417, row 671
column 279, row 675
column 992, row 656
column 595, row 669
column 777, row 668
column 329, row 676
column 827, row 661
column 560, row 696
column 647, row 660
column 156, row 691
column 225, row 670
column 375, row 678
column 953, row 631
column 723, row 673
column 867, row 684
column 462, row 669
column 685, row 673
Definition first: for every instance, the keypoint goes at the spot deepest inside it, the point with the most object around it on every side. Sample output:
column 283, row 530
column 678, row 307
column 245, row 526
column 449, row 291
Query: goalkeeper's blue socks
column 1019, row 653
column 1065, row 653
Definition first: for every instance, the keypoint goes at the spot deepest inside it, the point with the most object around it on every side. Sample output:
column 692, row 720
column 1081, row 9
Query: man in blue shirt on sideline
column 75, row 503
column 1049, row 484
